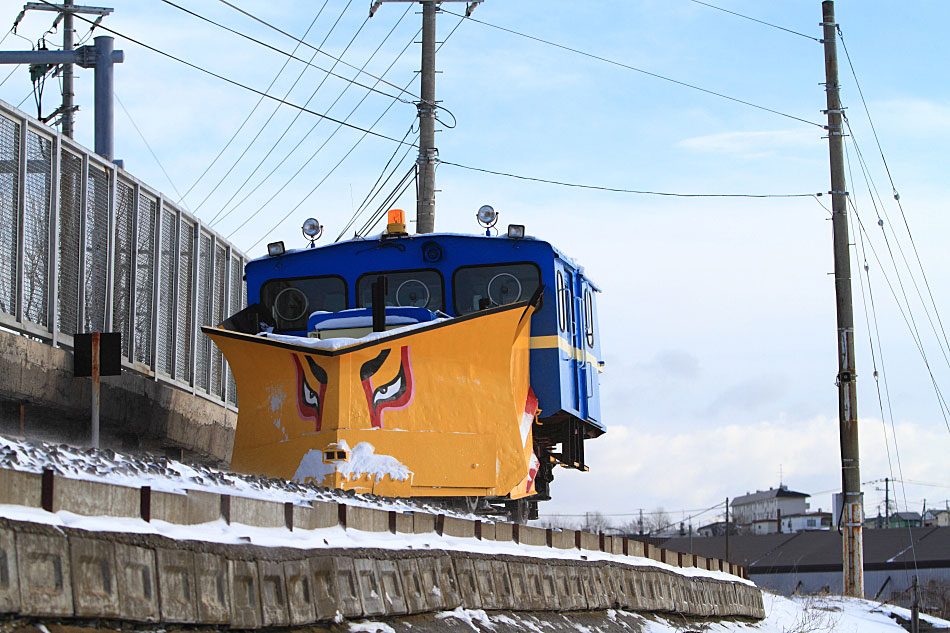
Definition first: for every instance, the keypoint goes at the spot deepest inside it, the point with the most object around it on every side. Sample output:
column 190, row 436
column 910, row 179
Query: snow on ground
column 806, row 614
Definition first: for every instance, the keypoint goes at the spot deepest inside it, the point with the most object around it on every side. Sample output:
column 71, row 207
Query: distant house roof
column 807, row 514
column 761, row 495
column 906, row 516
column 816, row 551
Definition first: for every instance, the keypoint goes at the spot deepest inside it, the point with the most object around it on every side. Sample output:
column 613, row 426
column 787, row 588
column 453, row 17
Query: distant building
column 806, row 521
column 716, row 529
column 904, row 519
column 810, row 562
column 761, row 512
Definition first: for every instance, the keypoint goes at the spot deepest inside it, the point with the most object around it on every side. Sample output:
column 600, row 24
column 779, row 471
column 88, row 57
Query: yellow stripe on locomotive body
column 561, row 343
column 429, row 411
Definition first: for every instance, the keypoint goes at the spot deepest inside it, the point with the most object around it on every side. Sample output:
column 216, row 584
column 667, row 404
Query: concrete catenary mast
column 428, row 154
column 852, row 510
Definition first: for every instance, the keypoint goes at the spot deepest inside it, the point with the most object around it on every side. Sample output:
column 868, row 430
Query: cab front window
column 405, row 288
column 479, row 287
column 291, row 301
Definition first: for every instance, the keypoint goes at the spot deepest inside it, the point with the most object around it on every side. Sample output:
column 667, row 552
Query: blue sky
column 717, row 314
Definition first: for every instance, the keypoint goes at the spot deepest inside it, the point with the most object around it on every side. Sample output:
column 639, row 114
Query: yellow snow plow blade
column 441, row 409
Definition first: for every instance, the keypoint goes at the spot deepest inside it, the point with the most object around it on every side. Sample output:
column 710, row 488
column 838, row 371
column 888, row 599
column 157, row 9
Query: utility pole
column 428, row 154
column 66, row 11
column 853, row 507
column 727, row 528
column 887, row 502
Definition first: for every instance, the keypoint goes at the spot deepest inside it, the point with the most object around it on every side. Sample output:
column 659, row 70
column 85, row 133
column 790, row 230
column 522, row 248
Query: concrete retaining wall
column 62, row 572
column 58, row 572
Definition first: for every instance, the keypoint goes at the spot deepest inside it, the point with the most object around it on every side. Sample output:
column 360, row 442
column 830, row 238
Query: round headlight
column 487, row 216
column 311, row 228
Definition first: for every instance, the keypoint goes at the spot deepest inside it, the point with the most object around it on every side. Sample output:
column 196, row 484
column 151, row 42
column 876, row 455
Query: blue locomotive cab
column 455, row 275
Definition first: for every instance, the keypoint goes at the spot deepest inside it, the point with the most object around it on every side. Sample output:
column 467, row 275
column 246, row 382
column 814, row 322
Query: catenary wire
column 740, row 15
column 304, row 137
column 635, row 69
column 388, row 202
column 233, row 82
column 861, row 278
column 286, row 34
column 254, row 109
column 380, row 182
column 894, row 191
column 147, row 145
column 403, row 143
column 277, row 50
column 633, row 191
column 881, row 223
column 215, row 219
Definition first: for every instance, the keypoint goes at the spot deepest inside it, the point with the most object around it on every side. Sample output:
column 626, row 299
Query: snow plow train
column 451, row 367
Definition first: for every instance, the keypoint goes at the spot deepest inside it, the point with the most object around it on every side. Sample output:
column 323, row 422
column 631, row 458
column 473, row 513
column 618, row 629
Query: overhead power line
column 633, row 191
column 147, row 145
column 304, row 137
column 635, row 69
column 277, row 50
column 234, row 81
column 254, row 109
column 740, row 15
column 291, row 36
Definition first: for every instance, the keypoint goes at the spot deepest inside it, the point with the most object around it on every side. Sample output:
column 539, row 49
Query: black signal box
column 110, row 354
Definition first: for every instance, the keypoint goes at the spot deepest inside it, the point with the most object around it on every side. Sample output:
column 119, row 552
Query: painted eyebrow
column 370, row 367
column 318, row 372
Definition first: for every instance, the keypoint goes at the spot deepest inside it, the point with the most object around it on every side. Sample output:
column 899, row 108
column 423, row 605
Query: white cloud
column 753, row 144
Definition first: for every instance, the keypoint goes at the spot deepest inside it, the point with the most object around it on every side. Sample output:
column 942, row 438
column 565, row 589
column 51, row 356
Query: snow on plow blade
column 435, row 409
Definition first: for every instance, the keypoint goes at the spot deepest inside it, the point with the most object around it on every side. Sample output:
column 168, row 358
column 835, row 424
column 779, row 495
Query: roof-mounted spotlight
column 275, row 248
column 487, row 217
column 516, row 231
column 312, row 230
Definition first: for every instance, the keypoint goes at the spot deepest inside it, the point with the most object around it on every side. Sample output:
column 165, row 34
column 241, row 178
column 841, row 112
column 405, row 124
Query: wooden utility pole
column 852, row 516
column 425, row 164
column 428, row 154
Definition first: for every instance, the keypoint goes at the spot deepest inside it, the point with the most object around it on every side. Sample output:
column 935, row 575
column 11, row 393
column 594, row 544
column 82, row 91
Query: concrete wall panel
column 21, row 488
column 590, row 541
column 245, row 595
column 503, row 587
column 300, row 606
column 177, row 586
column 423, row 523
column 562, row 539
column 170, row 507
column 202, row 507
column 503, row 532
column 394, row 593
column 94, row 578
column 138, row 583
column 532, row 536
column 366, row 519
column 408, row 570
column 92, row 498
column 273, row 593
column 213, row 593
column 9, row 574
column 335, row 587
column 370, row 587
column 45, row 578
column 461, row 528
column 468, row 586
column 257, row 512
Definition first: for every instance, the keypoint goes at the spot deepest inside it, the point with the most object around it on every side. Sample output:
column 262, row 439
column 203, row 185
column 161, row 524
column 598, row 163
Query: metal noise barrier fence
column 86, row 247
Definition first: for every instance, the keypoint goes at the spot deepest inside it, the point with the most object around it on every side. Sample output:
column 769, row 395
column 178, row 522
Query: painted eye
column 384, row 392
